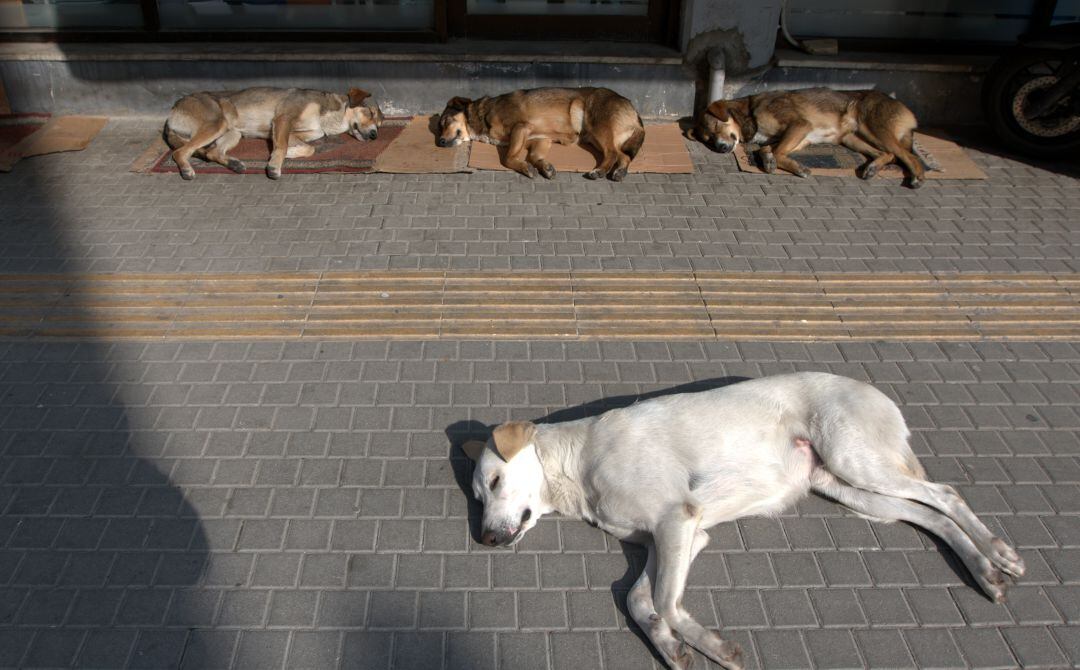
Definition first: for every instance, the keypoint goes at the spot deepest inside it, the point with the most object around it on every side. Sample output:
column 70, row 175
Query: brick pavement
column 293, row 505
column 715, row 219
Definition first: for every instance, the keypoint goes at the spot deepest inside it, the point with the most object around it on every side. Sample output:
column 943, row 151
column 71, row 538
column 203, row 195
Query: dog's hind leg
column 888, row 508
column 877, row 158
column 946, row 500
column 678, row 541
column 902, row 150
column 516, row 151
column 219, row 151
column 202, row 137
column 280, row 130
column 538, row 157
column 611, row 158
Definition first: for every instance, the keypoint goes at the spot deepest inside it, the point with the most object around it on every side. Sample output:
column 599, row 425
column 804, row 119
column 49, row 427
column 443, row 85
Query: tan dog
column 527, row 122
column 210, row 124
column 784, row 122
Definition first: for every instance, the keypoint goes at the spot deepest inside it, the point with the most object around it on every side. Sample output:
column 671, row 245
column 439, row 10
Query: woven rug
column 40, row 134
column 14, row 127
column 338, row 153
column 943, row 159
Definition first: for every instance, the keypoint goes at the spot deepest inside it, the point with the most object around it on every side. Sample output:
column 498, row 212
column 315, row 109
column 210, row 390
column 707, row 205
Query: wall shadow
column 100, row 549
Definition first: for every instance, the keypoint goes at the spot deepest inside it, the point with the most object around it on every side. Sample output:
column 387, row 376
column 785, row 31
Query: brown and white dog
column 869, row 122
column 211, row 123
column 527, row 122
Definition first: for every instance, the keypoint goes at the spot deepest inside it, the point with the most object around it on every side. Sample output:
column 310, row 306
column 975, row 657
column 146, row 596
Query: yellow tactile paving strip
column 542, row 305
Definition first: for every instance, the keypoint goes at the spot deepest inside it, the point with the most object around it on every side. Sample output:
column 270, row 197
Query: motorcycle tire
column 1000, row 87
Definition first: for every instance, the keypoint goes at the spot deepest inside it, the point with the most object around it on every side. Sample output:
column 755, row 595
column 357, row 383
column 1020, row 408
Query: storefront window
column 359, row 15
column 69, row 14
column 560, row 7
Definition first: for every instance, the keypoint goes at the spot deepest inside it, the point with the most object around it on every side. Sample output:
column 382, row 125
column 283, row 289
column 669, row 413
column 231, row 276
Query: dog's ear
column 474, row 448
column 512, row 437
column 459, row 103
column 718, row 109
column 357, row 96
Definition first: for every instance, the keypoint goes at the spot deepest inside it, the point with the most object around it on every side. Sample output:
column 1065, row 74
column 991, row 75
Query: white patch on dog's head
column 508, row 481
column 362, row 115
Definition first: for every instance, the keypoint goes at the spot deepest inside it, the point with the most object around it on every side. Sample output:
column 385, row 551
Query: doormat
column 15, row 127
column 943, row 159
column 414, row 152
column 38, row 134
column 664, row 151
column 337, row 153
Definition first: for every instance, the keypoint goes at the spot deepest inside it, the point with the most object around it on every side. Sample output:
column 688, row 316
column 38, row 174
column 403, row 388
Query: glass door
column 608, row 20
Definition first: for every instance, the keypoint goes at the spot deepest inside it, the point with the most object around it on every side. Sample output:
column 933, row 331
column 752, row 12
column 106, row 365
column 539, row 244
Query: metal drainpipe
column 717, row 63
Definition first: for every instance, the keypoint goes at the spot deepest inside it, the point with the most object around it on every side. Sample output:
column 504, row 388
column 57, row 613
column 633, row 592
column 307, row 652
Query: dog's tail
column 632, row 145
column 174, row 139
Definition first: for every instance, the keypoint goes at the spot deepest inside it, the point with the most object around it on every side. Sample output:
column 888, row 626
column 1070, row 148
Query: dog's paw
column 547, row 170
column 1006, row 558
column 618, row 174
column 868, row 171
column 593, row 174
column 187, row 174
column 237, row 166
column 273, row 172
column 994, row 583
column 768, row 163
column 802, row 172
column 915, row 182
column 731, row 656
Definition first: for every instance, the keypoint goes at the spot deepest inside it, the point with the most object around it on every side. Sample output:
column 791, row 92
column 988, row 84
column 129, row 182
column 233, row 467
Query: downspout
column 717, row 65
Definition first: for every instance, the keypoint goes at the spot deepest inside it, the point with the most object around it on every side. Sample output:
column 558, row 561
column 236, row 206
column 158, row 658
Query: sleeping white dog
column 661, row 471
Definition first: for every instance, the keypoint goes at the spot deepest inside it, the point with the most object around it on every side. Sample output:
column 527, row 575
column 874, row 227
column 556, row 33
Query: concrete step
column 145, row 79
column 942, row 90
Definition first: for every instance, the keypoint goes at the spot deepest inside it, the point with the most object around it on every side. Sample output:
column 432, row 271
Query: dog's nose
column 441, row 142
column 373, row 134
column 489, row 538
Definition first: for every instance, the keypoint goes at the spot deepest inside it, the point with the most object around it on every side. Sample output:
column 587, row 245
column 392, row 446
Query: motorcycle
column 1031, row 95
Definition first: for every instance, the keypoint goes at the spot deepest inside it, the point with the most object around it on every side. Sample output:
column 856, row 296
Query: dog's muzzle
column 723, row 147
column 372, row 134
column 501, row 537
column 442, row 142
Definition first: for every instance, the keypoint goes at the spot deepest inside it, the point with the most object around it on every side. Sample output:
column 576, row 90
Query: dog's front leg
column 279, row 132
column 678, row 541
column 793, row 140
column 642, row 610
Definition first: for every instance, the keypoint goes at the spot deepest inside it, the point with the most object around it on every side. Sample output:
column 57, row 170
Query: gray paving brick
column 261, row 649
column 367, row 650
column 321, row 649
column 884, row 648
column 832, row 649
column 1034, row 646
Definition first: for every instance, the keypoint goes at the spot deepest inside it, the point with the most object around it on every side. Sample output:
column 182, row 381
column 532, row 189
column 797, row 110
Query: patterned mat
column 339, row 153
column 15, row 127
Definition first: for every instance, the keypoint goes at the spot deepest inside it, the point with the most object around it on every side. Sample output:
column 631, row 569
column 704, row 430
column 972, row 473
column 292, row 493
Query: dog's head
column 363, row 117
column 720, row 125
column 508, row 481
column 454, row 123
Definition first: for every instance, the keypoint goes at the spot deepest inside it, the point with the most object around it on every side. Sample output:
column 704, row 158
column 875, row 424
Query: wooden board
column 542, row 305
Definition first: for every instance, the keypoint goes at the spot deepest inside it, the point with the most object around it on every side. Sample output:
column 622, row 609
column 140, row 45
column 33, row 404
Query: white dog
column 661, row 471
